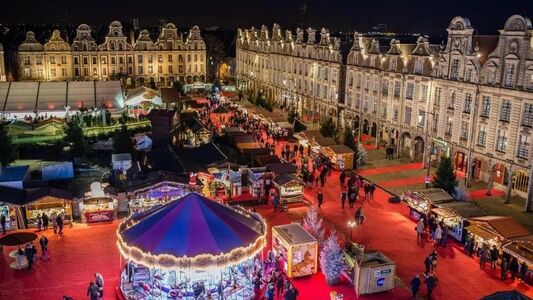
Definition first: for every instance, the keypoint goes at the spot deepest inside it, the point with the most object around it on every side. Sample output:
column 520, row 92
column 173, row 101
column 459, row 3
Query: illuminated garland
column 203, row 262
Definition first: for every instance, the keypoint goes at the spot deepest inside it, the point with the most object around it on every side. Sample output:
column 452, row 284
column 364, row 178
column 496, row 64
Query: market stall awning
column 192, row 232
column 507, row 227
column 522, row 249
column 481, row 232
column 464, row 209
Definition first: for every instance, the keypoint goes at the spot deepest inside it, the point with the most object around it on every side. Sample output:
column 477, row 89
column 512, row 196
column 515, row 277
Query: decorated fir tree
column 314, row 224
column 328, row 128
column 332, row 259
column 445, row 176
column 8, row 151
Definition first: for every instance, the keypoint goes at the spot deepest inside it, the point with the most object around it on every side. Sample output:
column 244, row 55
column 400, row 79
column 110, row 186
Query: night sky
column 401, row 15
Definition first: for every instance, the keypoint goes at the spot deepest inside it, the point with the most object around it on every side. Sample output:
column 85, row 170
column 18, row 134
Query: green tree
column 122, row 142
column 75, row 138
column 8, row 151
column 445, row 176
column 349, row 139
column 328, row 129
column 179, row 86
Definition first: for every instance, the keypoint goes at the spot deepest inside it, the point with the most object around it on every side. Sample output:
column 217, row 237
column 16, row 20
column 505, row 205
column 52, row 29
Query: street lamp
column 351, row 226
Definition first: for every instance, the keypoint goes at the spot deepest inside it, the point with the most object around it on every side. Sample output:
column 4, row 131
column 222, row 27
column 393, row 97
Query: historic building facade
column 470, row 99
column 168, row 59
column 299, row 73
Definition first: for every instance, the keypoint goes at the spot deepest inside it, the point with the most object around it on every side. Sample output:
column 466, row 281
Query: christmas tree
column 445, row 176
column 332, row 259
column 313, row 223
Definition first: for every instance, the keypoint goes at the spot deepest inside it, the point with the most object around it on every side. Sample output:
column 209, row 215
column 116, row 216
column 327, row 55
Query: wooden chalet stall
column 341, row 156
column 455, row 216
column 495, row 230
column 290, row 188
column 422, row 201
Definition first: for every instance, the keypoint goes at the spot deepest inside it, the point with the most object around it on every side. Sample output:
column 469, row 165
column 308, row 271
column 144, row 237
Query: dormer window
column 419, row 66
column 454, row 73
column 510, row 75
column 393, row 64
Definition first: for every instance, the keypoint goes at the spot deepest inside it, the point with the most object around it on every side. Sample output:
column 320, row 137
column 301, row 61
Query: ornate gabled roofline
column 356, row 46
column 422, row 47
column 374, row 47
column 394, row 48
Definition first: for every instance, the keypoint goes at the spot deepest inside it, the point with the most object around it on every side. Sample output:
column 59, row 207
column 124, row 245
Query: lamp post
column 351, row 226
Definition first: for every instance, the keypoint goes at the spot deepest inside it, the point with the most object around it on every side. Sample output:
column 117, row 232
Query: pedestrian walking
column 372, row 190
column 431, row 283
column 513, row 267
column 494, row 254
column 3, row 222
column 44, row 246
column 39, row 223
column 30, row 255
column 351, row 198
column 523, row 271
column 319, row 198
column 46, row 220
column 269, row 292
column 438, row 235
column 484, row 257
column 54, row 223
column 280, row 284
column 415, row 285
column 343, row 197
column 59, row 222
column 275, row 201
column 504, row 269
column 420, row 230
column 99, row 280
column 92, row 291
column 342, row 177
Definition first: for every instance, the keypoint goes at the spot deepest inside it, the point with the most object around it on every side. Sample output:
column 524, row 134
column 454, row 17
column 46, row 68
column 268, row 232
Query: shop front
column 522, row 249
column 52, row 206
column 12, row 217
column 296, row 248
column 98, row 209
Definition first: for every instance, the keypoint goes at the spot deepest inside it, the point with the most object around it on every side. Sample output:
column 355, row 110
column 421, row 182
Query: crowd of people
column 270, row 282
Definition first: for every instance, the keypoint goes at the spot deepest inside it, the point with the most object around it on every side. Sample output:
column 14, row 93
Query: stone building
column 300, row 73
column 169, row 58
column 470, row 99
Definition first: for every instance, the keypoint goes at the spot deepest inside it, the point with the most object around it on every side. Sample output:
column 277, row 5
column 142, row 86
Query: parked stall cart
column 298, row 250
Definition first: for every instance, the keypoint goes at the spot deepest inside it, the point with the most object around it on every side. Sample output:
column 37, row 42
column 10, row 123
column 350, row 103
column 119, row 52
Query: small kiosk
column 298, row 250
column 290, row 188
column 97, row 206
column 455, row 216
column 10, row 212
column 370, row 272
column 341, row 156
column 421, row 202
column 258, row 180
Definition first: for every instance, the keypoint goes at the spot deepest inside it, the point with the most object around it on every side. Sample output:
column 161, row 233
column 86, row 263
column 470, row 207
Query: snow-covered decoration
column 331, row 259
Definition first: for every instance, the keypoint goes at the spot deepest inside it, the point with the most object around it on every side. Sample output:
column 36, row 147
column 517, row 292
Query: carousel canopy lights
column 192, row 233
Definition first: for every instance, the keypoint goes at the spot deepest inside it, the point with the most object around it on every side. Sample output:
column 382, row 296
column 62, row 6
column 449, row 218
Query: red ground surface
column 390, row 169
column 387, row 228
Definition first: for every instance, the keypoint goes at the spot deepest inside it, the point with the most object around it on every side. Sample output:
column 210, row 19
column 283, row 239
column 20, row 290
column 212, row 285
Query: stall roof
column 285, row 178
column 294, row 234
column 507, row 227
column 465, row 209
column 325, row 141
column 221, row 110
column 281, row 168
column 171, row 95
column 506, row 295
column 245, row 138
column 13, row 173
column 341, row 149
column 143, row 94
column 200, row 158
column 481, row 232
column 436, row 196
column 27, row 196
column 164, row 158
column 263, row 160
column 520, row 249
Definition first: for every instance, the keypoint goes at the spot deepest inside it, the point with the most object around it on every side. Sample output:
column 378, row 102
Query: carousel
column 192, row 248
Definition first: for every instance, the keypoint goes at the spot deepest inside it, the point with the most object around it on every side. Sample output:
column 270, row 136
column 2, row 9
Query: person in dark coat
column 428, row 263
column 342, row 177
column 59, row 222
column 319, row 198
column 46, row 220
column 44, row 244
column 513, row 267
column 504, row 268
column 494, row 254
column 523, row 271
column 3, row 222
column 431, row 283
column 92, row 291
column 280, row 284
column 415, row 285
column 343, row 197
